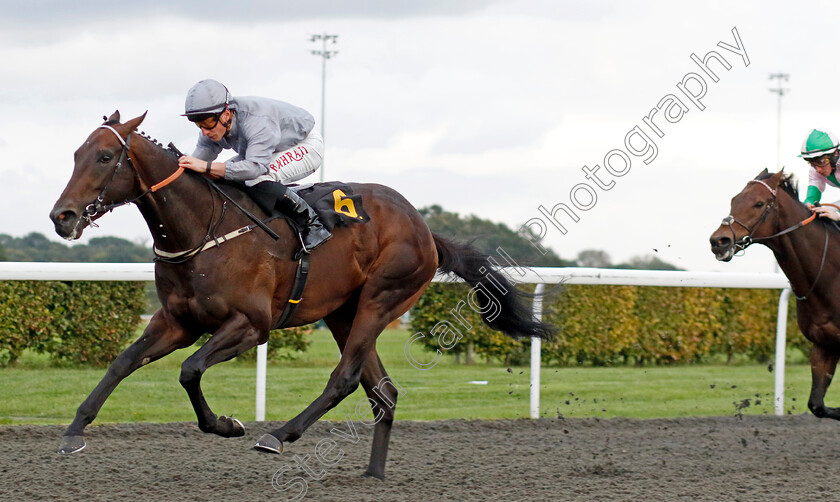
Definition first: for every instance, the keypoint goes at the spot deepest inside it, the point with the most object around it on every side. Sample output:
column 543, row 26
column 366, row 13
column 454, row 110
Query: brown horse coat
column 366, row 276
column 768, row 211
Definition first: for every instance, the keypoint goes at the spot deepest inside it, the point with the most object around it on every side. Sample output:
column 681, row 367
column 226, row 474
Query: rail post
column 781, row 339
column 536, row 347
column 262, row 359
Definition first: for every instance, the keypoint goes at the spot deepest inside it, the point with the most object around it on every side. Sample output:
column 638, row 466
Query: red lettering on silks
column 288, row 157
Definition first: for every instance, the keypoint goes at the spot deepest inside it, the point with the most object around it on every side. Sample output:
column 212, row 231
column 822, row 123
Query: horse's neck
column 179, row 213
column 800, row 253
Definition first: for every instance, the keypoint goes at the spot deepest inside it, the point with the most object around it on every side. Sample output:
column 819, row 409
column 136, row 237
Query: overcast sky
column 490, row 108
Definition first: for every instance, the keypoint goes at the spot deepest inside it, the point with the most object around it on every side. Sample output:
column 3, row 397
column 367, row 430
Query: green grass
column 35, row 393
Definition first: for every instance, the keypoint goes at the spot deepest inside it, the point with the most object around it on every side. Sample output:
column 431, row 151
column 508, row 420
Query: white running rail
column 539, row 275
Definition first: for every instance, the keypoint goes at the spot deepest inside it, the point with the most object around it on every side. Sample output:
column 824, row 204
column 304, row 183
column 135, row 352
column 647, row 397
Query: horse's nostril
column 63, row 216
column 720, row 242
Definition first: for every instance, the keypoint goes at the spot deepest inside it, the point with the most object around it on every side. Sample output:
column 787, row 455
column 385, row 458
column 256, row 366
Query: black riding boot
column 312, row 231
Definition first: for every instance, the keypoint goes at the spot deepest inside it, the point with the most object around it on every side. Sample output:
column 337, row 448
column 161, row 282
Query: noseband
column 744, row 242
column 98, row 207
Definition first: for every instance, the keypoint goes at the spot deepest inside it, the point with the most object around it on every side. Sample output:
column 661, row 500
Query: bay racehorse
column 768, row 211
column 366, row 276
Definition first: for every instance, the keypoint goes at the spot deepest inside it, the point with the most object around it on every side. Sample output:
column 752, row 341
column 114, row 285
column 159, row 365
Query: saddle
column 333, row 201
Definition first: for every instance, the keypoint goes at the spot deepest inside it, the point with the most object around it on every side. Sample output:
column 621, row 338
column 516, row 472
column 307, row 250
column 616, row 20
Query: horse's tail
column 501, row 305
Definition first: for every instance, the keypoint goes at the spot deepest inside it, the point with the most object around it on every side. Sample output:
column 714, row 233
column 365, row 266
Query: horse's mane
column 166, row 149
column 788, row 184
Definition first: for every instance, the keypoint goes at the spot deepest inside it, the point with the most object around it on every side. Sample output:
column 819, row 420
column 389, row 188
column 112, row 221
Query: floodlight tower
column 781, row 92
column 325, row 55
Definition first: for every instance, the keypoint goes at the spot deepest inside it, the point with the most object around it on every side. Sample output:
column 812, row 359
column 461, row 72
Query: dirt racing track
column 722, row 458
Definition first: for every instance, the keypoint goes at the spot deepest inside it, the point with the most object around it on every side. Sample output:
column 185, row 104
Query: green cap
column 818, row 143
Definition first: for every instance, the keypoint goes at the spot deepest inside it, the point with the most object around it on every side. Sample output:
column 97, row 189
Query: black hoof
column 229, row 427
column 270, row 444
column 72, row 444
column 368, row 474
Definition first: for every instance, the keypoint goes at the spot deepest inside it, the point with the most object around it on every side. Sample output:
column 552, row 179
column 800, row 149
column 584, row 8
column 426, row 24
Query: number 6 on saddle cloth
column 334, row 201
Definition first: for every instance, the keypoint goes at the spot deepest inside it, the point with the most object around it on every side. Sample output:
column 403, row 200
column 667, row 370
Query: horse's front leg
column 823, row 364
column 234, row 337
column 159, row 339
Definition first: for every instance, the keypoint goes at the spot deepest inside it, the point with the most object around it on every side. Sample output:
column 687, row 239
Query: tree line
column 486, row 235
column 36, row 247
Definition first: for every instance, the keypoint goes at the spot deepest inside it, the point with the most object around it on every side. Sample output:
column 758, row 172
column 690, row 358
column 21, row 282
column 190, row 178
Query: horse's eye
column 758, row 204
column 105, row 158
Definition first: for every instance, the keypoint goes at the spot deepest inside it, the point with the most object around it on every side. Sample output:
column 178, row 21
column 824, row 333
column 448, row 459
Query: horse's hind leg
column 159, row 339
column 343, row 381
column 234, row 337
column 381, row 392
column 394, row 282
column 823, row 364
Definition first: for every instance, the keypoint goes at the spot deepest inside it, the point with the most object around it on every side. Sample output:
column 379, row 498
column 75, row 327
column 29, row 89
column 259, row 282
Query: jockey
column 820, row 149
column 275, row 142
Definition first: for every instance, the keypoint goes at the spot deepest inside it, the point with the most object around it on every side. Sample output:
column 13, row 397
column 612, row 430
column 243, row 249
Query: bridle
column 98, row 207
column 745, row 241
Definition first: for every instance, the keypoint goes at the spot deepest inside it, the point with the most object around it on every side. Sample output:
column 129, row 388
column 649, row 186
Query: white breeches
column 295, row 163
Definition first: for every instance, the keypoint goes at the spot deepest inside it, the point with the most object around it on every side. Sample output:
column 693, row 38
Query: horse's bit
column 744, row 242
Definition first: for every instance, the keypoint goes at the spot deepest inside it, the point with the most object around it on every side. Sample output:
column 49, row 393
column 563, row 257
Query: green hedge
column 91, row 322
column 605, row 325
column 79, row 322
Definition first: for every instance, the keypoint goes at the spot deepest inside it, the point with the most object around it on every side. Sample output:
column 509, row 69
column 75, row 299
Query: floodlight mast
column 781, row 92
column 325, row 55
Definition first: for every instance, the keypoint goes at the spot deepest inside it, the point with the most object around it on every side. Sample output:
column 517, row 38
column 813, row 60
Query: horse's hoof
column 232, row 428
column 269, row 443
column 368, row 474
column 72, row 444
column 238, row 428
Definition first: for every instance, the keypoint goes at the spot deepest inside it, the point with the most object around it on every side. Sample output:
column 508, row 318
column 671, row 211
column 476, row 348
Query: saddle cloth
column 333, row 201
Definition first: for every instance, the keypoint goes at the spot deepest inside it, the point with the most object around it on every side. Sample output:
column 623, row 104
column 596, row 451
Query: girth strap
column 296, row 296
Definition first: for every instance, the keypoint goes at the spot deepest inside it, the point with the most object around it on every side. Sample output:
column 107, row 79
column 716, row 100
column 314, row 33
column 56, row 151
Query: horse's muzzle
column 68, row 224
column 723, row 246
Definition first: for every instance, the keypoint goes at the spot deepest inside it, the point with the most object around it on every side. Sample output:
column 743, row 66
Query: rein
column 98, row 207
column 819, row 272
column 744, row 242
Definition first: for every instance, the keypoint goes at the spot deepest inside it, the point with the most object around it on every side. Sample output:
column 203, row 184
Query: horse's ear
column 135, row 122
column 762, row 173
column 113, row 119
column 776, row 178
